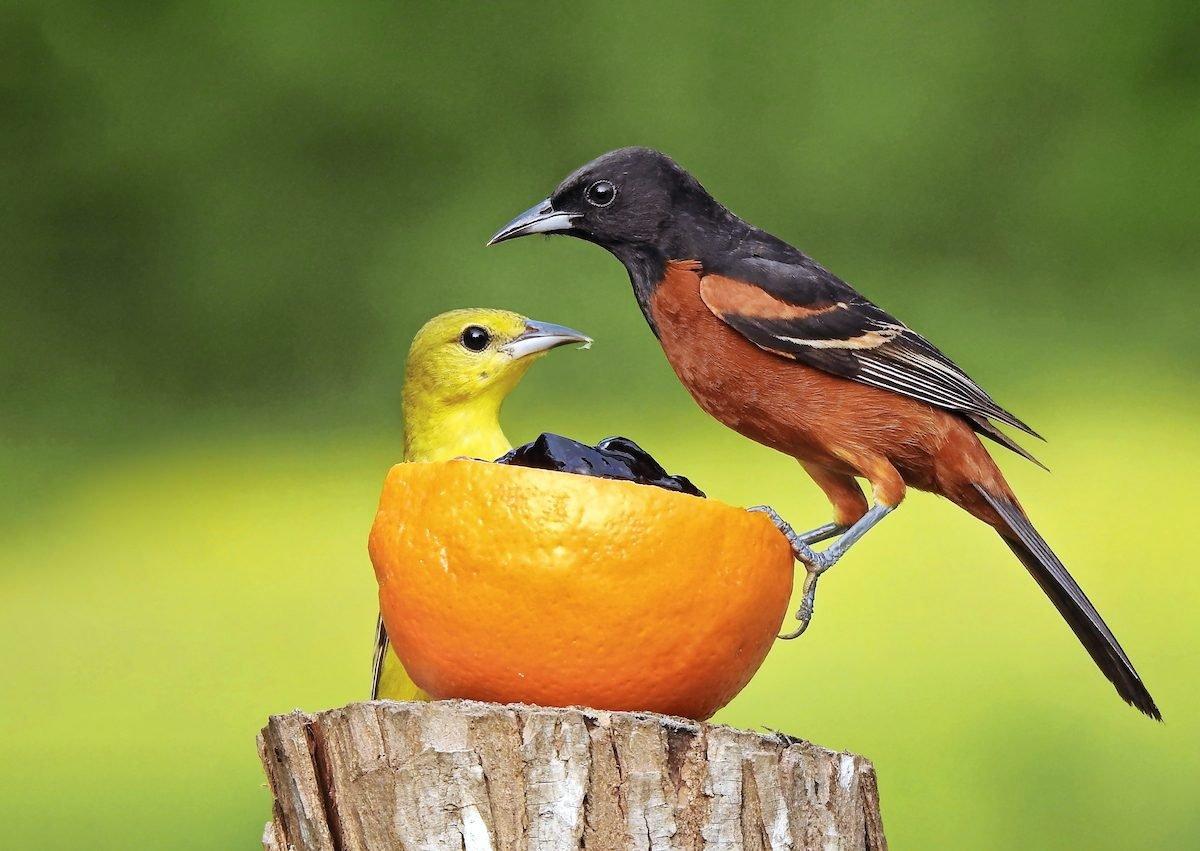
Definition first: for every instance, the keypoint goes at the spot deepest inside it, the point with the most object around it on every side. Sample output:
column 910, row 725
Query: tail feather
column 381, row 649
column 389, row 680
column 1078, row 611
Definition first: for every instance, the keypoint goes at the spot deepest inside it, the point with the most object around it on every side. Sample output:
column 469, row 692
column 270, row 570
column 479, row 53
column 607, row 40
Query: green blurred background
column 220, row 225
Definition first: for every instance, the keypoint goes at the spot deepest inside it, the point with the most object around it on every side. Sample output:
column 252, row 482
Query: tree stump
column 473, row 776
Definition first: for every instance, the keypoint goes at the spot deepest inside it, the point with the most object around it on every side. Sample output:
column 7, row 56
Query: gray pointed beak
column 540, row 218
column 541, row 337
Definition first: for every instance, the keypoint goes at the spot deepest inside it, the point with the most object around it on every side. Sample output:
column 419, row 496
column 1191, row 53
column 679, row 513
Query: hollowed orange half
column 510, row 584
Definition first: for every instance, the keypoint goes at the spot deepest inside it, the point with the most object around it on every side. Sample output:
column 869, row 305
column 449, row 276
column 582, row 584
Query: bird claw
column 796, row 633
column 807, row 604
column 815, row 563
column 803, row 553
column 773, row 515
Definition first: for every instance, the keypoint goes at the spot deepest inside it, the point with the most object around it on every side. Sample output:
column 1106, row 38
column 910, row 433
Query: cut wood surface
column 474, row 776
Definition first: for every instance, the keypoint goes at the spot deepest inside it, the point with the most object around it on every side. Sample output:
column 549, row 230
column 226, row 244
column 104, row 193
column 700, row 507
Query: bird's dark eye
column 601, row 193
column 475, row 338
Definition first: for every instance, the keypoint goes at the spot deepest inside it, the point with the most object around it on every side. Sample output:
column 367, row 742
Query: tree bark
column 472, row 776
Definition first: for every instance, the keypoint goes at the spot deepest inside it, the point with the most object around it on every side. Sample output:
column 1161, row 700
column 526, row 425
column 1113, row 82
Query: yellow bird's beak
column 541, row 337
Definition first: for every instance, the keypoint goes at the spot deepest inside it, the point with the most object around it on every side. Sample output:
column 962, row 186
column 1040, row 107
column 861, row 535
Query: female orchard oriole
column 461, row 366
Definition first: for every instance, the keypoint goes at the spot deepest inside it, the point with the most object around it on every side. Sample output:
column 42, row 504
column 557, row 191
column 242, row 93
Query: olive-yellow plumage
column 461, row 366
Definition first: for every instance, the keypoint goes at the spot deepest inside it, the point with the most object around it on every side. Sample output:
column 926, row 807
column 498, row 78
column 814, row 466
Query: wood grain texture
column 483, row 777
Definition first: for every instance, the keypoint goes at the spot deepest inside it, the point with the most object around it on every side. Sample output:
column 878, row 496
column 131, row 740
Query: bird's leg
column 812, row 536
column 851, row 536
column 815, row 563
column 822, row 533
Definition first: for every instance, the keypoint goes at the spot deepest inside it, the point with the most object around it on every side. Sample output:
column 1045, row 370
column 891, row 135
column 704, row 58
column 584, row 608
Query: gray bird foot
column 800, row 541
column 815, row 563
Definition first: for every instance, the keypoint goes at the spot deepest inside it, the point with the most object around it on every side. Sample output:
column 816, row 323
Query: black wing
column 801, row 311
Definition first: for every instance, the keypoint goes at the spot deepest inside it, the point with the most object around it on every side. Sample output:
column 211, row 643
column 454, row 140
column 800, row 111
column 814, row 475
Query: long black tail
column 1077, row 610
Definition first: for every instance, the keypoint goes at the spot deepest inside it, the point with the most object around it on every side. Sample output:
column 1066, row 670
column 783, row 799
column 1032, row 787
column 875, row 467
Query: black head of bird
column 631, row 201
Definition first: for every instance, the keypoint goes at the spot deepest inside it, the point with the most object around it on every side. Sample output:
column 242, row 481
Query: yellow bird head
column 460, row 367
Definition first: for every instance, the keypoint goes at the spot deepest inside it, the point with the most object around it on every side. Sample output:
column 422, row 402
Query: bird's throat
column 471, row 431
column 646, row 266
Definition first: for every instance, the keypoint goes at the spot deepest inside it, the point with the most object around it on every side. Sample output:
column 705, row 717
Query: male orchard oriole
column 781, row 350
column 460, row 368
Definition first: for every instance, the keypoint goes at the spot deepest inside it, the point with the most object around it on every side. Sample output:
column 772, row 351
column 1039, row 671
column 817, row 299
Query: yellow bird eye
column 475, row 338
